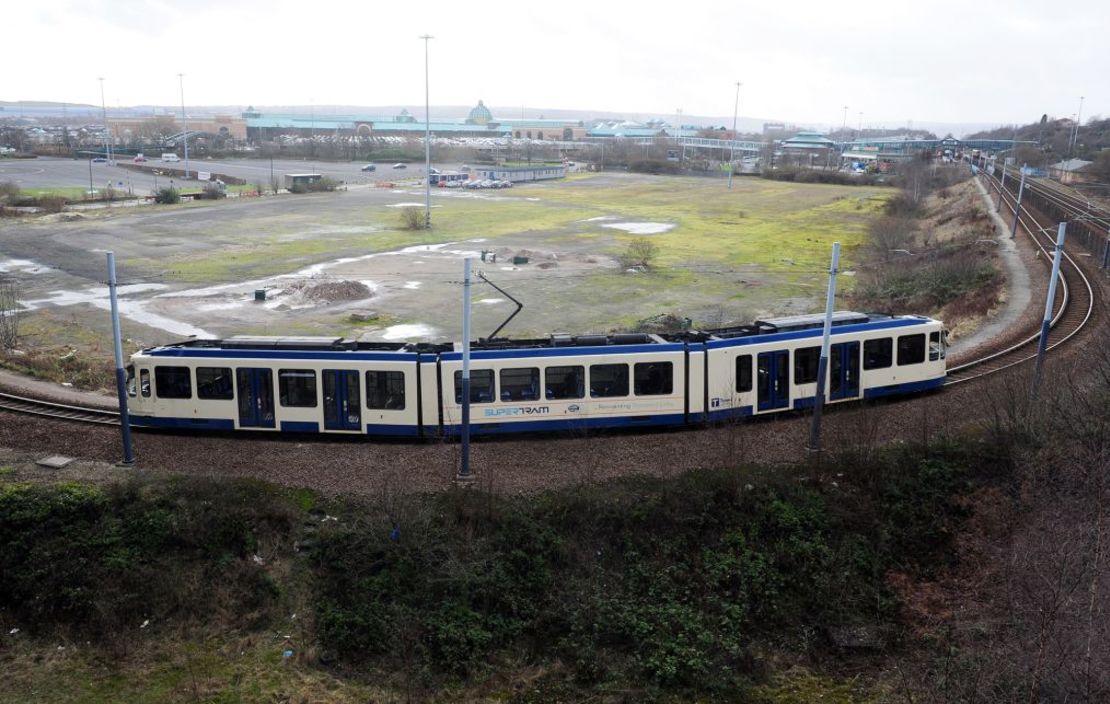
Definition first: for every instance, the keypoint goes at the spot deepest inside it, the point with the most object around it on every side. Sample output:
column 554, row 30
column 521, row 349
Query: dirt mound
column 330, row 291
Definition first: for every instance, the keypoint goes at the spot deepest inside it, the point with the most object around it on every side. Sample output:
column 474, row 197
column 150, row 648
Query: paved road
column 47, row 172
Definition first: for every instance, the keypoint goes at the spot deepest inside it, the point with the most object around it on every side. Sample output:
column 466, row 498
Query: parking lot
column 47, row 172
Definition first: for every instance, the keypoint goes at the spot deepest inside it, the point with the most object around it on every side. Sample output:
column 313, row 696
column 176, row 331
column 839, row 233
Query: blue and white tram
column 320, row 384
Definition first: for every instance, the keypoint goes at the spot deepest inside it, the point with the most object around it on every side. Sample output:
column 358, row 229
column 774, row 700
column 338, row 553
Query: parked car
column 433, row 171
column 100, row 160
column 139, row 158
column 369, row 167
column 399, row 166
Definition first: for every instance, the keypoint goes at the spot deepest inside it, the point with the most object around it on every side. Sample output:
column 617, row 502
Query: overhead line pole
column 1042, row 345
column 1017, row 208
column 464, row 471
column 823, row 361
column 121, row 384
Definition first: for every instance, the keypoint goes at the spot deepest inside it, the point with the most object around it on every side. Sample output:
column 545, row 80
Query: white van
column 170, row 157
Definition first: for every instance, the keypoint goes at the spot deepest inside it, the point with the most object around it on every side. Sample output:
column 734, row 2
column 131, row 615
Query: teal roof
column 624, row 132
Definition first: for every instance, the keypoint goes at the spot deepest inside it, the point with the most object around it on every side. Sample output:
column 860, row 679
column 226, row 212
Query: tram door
column 256, row 397
column 342, row 400
column 773, row 370
column 844, row 371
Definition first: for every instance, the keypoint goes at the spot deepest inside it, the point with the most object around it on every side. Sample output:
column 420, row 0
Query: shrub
column 640, row 252
column 51, row 204
column 96, row 562
column 212, row 192
column 412, row 218
column 655, row 166
column 167, row 196
column 9, row 190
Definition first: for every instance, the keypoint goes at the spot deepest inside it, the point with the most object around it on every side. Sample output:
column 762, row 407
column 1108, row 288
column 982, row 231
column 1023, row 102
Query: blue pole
column 823, row 361
column 121, row 383
column 464, row 471
column 1042, row 345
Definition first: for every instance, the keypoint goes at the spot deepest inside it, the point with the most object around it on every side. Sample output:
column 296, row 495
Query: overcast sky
column 971, row 61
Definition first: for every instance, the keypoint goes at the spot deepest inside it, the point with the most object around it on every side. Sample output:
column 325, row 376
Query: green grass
column 69, row 193
column 771, row 225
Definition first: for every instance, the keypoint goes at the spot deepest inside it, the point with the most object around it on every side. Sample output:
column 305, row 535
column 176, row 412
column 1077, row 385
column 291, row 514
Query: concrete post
column 823, row 362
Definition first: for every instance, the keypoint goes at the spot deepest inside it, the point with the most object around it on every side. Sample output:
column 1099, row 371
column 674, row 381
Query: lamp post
column 1078, row 117
column 427, row 142
column 859, row 127
column 184, row 121
column 107, row 131
column 732, row 147
column 678, row 131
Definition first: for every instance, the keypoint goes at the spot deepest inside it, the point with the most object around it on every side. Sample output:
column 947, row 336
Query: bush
column 655, row 166
column 640, row 253
column 96, row 562
column 51, row 204
column 167, row 196
column 799, row 175
column 673, row 583
column 212, row 192
column 9, row 190
column 412, row 218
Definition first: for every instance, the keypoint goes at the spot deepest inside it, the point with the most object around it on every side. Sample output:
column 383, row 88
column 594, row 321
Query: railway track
column 38, row 407
column 1075, row 302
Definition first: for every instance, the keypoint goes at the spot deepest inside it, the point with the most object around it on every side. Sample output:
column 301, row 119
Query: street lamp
column 107, row 131
column 427, row 142
column 732, row 147
column 1078, row 117
column 184, row 122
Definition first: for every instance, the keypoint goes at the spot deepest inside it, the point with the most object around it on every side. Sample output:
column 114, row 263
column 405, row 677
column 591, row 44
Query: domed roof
column 479, row 115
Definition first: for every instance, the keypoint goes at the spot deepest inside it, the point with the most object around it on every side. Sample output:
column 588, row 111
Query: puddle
column 406, row 332
column 492, row 300
column 600, row 218
column 642, row 228
column 136, row 311
column 25, row 266
column 408, row 205
column 413, row 285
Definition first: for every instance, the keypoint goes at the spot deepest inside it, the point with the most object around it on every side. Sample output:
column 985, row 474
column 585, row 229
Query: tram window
column 805, row 364
column 144, row 382
column 481, row 386
column 744, row 373
column 385, row 390
column 214, row 383
column 936, row 346
column 131, row 390
column 172, row 382
column 565, row 382
column 520, row 384
column 878, row 354
column 653, row 378
column 911, row 349
column 297, row 388
column 607, row 380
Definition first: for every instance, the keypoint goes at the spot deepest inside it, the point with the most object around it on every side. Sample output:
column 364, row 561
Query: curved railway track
column 1074, row 308
column 38, row 407
column 1075, row 301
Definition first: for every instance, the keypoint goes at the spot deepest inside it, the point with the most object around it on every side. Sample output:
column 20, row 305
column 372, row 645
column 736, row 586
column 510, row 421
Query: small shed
column 292, row 180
